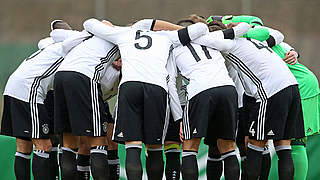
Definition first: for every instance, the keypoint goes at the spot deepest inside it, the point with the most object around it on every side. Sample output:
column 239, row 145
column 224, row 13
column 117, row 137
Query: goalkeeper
column 309, row 92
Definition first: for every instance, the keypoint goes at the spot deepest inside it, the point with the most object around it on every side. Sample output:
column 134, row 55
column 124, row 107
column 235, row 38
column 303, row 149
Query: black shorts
column 20, row 121
column 110, row 119
column 78, row 105
column 278, row 118
column 211, row 114
column 243, row 119
column 142, row 113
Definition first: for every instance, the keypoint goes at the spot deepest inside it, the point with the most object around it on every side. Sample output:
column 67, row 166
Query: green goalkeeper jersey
column 308, row 83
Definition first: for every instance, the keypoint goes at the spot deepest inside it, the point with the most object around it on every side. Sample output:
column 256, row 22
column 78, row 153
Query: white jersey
column 91, row 58
column 262, row 71
column 144, row 53
column 204, row 67
column 34, row 77
column 233, row 73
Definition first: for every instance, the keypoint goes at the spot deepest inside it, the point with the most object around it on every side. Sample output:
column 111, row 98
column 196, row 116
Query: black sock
column 133, row 162
column 68, row 164
column 83, row 167
column 231, row 166
column 154, row 164
column 253, row 162
column 22, row 166
column 266, row 164
column 285, row 163
column 99, row 162
column 189, row 165
column 114, row 164
column 214, row 164
column 172, row 164
column 243, row 155
column 54, row 167
column 40, row 165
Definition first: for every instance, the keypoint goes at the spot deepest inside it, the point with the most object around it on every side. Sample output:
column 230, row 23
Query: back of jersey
column 203, row 66
column 262, row 66
column 90, row 58
column 144, row 56
column 36, row 70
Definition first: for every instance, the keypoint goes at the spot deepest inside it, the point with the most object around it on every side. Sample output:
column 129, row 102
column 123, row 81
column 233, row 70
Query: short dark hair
column 60, row 24
column 216, row 25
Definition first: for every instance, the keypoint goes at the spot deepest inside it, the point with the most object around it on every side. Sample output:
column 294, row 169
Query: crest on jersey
column 45, row 128
column 104, row 126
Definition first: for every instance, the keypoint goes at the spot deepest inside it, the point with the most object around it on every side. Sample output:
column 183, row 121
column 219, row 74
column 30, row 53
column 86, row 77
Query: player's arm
column 107, row 32
column 259, row 33
column 73, row 41
column 45, row 42
column 59, row 35
column 156, row 25
column 175, row 105
column 236, row 31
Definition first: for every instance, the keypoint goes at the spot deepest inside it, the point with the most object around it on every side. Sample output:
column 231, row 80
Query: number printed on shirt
column 139, row 36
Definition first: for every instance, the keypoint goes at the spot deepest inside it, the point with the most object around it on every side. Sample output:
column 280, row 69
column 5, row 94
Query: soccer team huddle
column 227, row 79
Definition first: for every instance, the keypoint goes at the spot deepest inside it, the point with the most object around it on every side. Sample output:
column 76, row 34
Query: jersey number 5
column 138, row 36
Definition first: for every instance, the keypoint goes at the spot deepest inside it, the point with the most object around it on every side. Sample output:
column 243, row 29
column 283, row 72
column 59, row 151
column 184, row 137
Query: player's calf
column 99, row 158
column 41, row 161
column 133, row 162
column 214, row 164
column 154, row 162
column 172, row 152
column 228, row 155
column 189, row 159
column 22, row 159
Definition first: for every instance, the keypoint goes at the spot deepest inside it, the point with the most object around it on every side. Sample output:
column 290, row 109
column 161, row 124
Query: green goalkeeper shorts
column 311, row 116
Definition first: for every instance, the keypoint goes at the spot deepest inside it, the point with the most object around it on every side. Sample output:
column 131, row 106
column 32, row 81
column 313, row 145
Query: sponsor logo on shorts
column 88, row 131
column 45, row 128
column 26, row 132
column 104, row 126
column 195, row 131
column 270, row 133
column 120, row 135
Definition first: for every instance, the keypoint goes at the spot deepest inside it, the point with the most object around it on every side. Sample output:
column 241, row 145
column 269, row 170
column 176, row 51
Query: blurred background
column 24, row 22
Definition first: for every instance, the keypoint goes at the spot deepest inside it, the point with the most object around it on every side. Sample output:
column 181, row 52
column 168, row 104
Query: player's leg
column 266, row 163
column 113, row 158
column 189, row 159
column 285, row 162
column 53, row 155
column 133, row 161
column 83, row 159
column 155, row 125
column 24, row 145
column 154, row 161
column 253, row 164
column 172, row 152
column 22, row 159
column 224, row 117
column 214, row 163
column 41, row 161
column 99, row 157
column 300, row 158
column 128, row 126
column 70, row 143
column 68, row 163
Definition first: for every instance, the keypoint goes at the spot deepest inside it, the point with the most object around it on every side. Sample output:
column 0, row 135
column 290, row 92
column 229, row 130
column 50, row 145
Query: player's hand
column 290, row 57
column 181, row 133
column 117, row 64
column 108, row 23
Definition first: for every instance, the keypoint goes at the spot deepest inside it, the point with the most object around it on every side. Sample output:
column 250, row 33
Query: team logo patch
column 45, row 128
column 104, row 126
